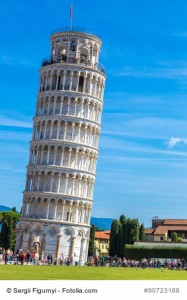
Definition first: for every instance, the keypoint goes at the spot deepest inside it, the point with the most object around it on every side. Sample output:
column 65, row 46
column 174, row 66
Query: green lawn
column 15, row 272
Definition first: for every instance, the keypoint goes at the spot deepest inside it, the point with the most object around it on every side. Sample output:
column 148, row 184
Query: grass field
column 11, row 272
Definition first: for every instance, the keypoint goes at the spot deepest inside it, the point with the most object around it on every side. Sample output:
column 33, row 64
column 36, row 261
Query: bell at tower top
column 75, row 46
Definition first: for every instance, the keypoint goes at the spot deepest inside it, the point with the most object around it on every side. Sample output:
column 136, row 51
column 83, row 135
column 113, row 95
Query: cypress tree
column 91, row 249
column 133, row 231
column 10, row 234
column 123, row 221
column 114, row 234
column 142, row 232
column 127, row 232
column 119, row 239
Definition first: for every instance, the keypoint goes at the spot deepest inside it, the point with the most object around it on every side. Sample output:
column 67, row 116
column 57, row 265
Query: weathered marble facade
column 58, row 195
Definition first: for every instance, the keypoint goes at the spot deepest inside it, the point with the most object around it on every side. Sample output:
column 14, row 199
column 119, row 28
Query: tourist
column 28, row 255
column 61, row 259
column 6, row 258
column 22, row 257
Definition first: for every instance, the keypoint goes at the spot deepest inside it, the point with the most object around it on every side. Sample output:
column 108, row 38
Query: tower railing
column 49, row 61
column 74, row 29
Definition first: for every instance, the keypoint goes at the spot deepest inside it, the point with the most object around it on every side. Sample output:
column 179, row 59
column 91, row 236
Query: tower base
column 63, row 241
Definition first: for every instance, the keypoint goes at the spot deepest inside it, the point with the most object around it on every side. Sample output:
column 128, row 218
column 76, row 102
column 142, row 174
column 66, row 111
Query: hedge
column 135, row 252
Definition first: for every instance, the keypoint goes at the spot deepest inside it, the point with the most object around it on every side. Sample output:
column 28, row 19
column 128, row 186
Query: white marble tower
column 58, row 196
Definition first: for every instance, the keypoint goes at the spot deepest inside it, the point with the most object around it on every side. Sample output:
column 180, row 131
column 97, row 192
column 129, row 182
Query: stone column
column 84, row 84
column 81, row 113
column 77, row 214
column 73, row 185
column 69, row 101
column 82, row 252
column 61, row 163
column 86, row 251
column 36, row 247
column 57, row 247
column 82, row 214
column 77, row 88
column 75, row 107
column 70, row 210
column 61, row 101
column 76, row 158
column 51, row 77
column 55, row 210
column 72, row 134
column 54, row 107
column 69, row 157
column 65, row 129
column 64, row 78
column 89, row 215
column 51, row 130
column 71, row 80
column 58, row 129
column 20, row 239
column 66, row 184
column 30, row 241
column 47, row 215
column 43, row 245
column 63, row 206
column 72, row 246
column 57, row 79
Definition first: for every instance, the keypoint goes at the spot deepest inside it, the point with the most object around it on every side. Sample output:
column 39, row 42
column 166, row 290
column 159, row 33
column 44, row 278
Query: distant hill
column 103, row 223
column 4, row 208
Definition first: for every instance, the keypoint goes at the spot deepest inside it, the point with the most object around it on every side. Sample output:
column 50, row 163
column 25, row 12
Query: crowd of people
column 33, row 258
column 178, row 264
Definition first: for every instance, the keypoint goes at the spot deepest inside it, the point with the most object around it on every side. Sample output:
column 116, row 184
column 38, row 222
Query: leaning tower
column 58, row 196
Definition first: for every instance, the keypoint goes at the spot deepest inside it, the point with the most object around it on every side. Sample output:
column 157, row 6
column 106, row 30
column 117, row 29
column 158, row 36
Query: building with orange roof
column 102, row 239
column 162, row 230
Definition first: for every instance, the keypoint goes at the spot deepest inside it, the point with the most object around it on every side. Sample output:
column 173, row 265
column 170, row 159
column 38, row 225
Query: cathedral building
column 58, row 196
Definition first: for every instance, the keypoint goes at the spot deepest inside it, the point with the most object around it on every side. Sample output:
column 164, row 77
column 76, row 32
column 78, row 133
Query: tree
column 133, row 231
column 114, row 235
column 119, row 239
column 127, row 231
column 174, row 237
column 8, row 233
column 3, row 235
column 123, row 222
column 142, row 232
column 179, row 240
column 91, row 249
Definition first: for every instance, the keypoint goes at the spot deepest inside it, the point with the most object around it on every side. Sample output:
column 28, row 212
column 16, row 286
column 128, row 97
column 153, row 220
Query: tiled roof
column 163, row 229
column 160, row 230
column 149, row 230
column 102, row 235
column 175, row 222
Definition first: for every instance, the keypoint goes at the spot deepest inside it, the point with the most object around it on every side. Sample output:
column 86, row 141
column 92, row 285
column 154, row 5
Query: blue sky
column 142, row 167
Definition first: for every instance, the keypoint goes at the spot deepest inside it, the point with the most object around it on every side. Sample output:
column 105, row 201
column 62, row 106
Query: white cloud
column 176, row 141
